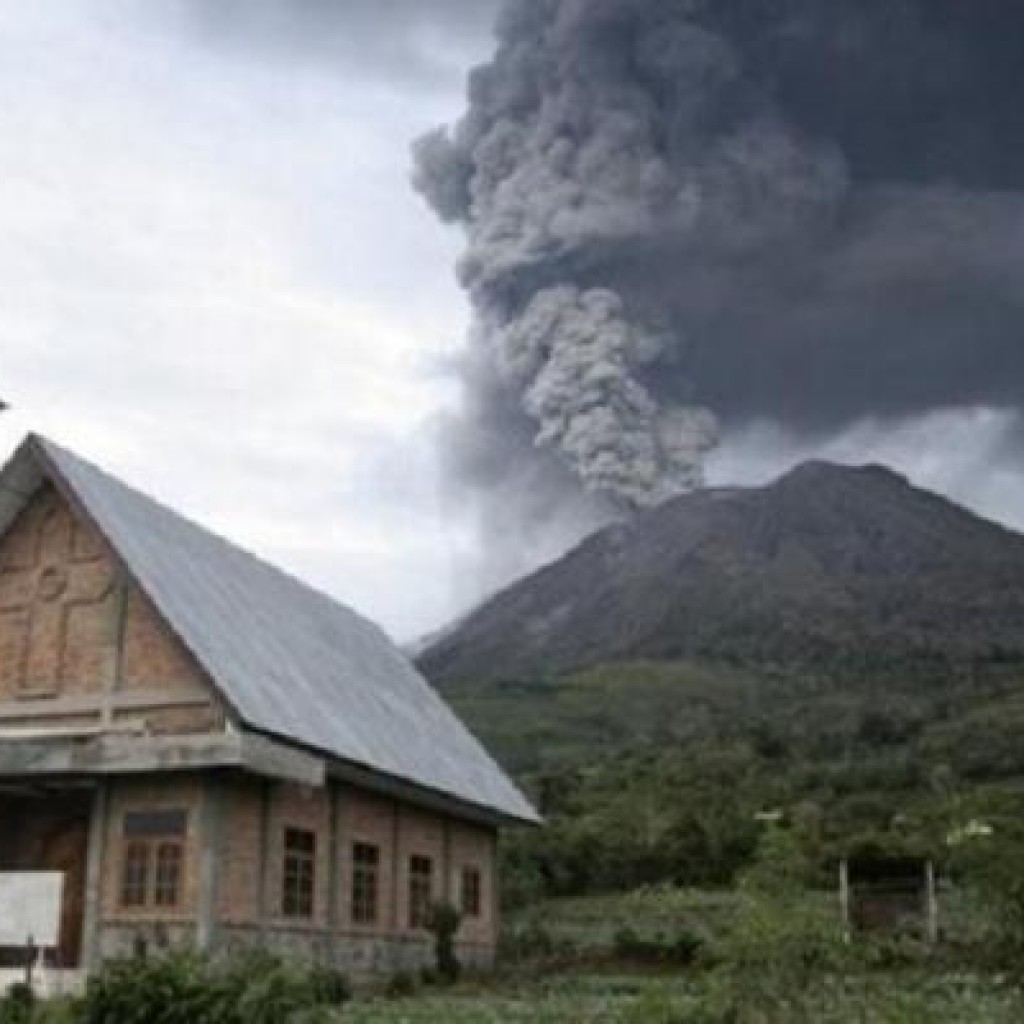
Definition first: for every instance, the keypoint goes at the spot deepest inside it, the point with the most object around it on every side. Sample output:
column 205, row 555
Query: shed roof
column 290, row 661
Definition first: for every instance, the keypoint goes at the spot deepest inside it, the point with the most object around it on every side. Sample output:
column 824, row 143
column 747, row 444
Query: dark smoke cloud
column 685, row 216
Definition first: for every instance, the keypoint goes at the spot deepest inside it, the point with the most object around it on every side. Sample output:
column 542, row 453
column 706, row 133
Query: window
column 154, row 858
column 421, row 886
column 135, row 875
column 167, row 886
column 299, row 873
column 471, row 902
column 365, row 870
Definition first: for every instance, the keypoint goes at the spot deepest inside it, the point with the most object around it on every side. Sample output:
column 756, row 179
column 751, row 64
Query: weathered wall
column 256, row 815
column 77, row 638
column 80, row 645
column 175, row 792
column 57, row 605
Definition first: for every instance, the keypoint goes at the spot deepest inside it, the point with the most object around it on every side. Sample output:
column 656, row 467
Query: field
column 909, row 999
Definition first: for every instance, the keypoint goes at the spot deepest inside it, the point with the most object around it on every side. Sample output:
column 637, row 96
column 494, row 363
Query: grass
column 591, row 923
column 905, row 999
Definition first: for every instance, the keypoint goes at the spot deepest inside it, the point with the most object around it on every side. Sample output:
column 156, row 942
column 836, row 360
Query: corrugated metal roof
column 290, row 660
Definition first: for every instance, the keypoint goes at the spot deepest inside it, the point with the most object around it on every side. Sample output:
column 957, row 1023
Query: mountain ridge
column 828, row 565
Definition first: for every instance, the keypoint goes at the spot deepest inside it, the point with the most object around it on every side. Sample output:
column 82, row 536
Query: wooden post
column 92, row 953
column 932, row 903
column 844, row 899
column 211, row 830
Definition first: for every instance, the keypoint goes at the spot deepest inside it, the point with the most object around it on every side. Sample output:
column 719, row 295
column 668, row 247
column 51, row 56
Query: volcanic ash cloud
column 685, row 215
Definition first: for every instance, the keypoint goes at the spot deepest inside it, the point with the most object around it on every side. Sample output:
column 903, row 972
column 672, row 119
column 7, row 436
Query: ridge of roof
column 289, row 659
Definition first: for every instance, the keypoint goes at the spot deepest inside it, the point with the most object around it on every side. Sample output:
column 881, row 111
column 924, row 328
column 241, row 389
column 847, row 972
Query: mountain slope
column 832, row 569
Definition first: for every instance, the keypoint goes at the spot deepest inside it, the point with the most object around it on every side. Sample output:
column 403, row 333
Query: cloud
column 398, row 42
column 685, row 217
column 216, row 281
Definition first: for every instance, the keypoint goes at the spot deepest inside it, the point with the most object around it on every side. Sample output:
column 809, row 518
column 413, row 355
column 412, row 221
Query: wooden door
column 65, row 849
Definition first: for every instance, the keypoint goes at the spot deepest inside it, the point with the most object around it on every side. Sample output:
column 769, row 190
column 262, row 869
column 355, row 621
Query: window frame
column 153, row 859
column 471, row 887
column 420, row 889
column 298, row 873
column 168, row 872
column 364, row 895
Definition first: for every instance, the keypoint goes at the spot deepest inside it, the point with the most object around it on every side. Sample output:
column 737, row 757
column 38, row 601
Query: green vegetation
column 650, row 773
column 190, row 989
column 913, row 999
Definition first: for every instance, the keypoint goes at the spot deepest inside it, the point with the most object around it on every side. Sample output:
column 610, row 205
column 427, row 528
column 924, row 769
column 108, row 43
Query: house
column 213, row 753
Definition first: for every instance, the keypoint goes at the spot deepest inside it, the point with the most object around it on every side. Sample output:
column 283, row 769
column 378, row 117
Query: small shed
column 885, row 892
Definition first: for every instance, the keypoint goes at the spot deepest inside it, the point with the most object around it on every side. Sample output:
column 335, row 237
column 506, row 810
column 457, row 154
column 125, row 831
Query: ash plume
column 685, row 216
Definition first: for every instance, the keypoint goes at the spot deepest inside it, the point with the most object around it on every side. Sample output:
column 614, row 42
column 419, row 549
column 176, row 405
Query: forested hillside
column 840, row 646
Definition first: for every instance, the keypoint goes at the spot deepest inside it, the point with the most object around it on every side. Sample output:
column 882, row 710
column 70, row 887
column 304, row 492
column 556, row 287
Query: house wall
column 256, row 814
column 81, row 644
column 120, row 928
column 81, row 647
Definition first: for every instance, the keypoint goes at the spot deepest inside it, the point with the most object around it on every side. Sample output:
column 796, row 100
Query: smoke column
column 683, row 216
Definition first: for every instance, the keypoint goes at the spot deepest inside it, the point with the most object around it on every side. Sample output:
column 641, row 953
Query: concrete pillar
column 211, row 832
column 396, row 869
column 92, row 953
column 263, row 866
column 334, row 849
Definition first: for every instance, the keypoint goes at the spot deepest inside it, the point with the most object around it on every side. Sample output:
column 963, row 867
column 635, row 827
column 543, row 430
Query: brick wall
column 175, row 792
column 70, row 627
column 475, row 847
column 366, row 818
column 238, row 883
column 57, row 605
column 73, row 632
column 306, row 808
column 399, row 831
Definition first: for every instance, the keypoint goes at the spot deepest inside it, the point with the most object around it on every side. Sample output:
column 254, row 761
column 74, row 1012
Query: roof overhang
column 83, row 752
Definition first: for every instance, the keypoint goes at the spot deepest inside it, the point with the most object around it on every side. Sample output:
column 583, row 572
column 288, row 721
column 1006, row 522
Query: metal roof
column 289, row 660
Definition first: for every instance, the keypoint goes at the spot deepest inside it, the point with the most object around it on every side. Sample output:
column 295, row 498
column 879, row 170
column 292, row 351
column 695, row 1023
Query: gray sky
column 216, row 280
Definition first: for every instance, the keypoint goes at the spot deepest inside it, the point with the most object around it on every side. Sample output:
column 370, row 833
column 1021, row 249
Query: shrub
column 18, row 1005
column 529, row 942
column 443, row 923
column 273, row 997
column 682, row 948
column 188, row 989
column 171, row 990
column 401, row 985
column 330, row 986
column 783, row 937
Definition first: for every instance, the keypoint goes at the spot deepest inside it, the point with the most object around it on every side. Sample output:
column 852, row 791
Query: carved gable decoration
column 56, row 604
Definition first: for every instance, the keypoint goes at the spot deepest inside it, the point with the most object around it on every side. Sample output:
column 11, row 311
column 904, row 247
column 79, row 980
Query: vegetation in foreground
column 771, row 952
